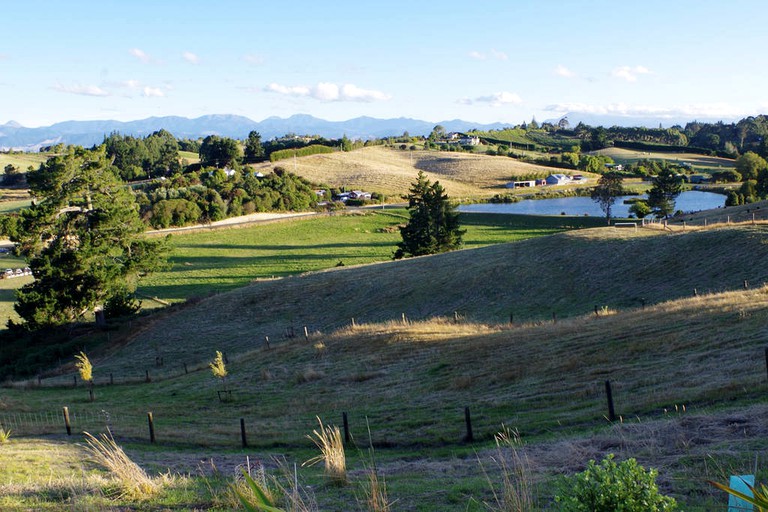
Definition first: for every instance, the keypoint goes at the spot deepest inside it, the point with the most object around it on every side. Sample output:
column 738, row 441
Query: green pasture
column 22, row 161
column 14, row 205
column 218, row 260
column 699, row 163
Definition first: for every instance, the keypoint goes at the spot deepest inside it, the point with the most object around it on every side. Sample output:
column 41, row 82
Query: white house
column 469, row 141
column 558, row 179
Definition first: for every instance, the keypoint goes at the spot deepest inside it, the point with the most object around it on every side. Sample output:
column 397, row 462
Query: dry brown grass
column 391, row 171
column 328, row 440
column 516, row 492
column 133, row 481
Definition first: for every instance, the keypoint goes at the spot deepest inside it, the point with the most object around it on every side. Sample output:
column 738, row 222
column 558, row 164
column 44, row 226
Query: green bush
column 611, row 487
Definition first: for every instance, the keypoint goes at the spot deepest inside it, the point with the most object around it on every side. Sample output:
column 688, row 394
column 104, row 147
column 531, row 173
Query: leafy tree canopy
column 608, row 188
column 82, row 238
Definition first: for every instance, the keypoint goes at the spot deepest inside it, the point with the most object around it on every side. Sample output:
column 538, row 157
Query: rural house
column 558, row 179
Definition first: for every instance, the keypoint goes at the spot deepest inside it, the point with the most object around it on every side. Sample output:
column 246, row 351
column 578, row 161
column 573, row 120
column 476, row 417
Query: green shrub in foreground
column 611, row 487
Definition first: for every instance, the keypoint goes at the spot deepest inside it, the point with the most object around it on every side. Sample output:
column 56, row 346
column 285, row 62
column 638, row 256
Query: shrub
column 609, row 487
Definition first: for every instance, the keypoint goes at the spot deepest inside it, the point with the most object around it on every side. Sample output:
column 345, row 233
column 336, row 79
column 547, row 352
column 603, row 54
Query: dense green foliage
column 135, row 158
column 434, row 222
column 667, row 185
column 219, row 151
column 314, row 149
column 254, row 151
column 611, row 487
column 211, row 194
column 82, row 239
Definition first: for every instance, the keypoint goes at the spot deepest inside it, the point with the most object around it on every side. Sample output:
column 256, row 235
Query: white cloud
column 629, row 73
column 710, row 110
column 139, row 54
column 152, row 92
column 477, row 55
column 495, row 100
column 191, row 57
column 328, row 91
column 82, row 90
column 355, row 93
column 253, row 59
column 499, row 55
column 298, row 90
column 563, row 71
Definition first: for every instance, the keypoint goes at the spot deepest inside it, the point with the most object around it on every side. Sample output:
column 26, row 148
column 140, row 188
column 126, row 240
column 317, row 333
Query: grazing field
column 14, row 205
column 214, row 261
column 391, row 171
column 190, row 156
column 23, row 160
column 688, row 381
column 699, row 162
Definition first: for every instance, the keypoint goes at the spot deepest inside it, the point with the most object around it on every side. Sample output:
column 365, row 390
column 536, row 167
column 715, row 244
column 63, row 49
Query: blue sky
column 504, row 61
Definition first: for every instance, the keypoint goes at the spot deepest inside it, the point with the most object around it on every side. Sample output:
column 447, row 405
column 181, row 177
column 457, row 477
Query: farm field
column 699, row 162
column 214, row 261
column 22, row 160
column 410, row 381
column 391, row 171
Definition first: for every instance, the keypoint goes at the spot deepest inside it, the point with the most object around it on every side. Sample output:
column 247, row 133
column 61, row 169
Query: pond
column 689, row 201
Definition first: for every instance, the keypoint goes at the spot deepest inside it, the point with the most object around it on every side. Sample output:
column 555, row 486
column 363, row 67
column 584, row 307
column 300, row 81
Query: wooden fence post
column 345, row 422
column 468, row 422
column 242, row 433
column 609, row 396
column 186, row 370
column 266, row 341
column 766, row 359
column 146, row 376
column 511, row 319
column 111, row 379
column 66, row 421
column 151, row 422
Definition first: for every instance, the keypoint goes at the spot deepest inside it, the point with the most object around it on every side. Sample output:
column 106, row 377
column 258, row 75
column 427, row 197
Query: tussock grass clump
column 84, row 367
column 328, row 440
column 134, row 481
column 5, row 435
column 515, row 493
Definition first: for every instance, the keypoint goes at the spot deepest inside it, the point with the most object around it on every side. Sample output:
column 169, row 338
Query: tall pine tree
column 434, row 222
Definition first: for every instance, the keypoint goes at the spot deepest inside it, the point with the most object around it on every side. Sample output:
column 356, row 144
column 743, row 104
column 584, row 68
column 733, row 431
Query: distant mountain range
column 87, row 133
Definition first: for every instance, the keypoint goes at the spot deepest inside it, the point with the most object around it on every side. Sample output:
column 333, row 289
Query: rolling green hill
column 565, row 274
column 687, row 369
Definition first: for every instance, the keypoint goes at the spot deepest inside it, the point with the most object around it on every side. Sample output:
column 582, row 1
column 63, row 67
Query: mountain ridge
column 88, row 133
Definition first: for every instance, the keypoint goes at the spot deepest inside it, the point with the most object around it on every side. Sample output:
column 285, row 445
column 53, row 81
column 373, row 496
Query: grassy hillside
column 699, row 162
column 391, row 171
column 214, row 261
column 688, row 377
column 23, row 160
column 566, row 274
